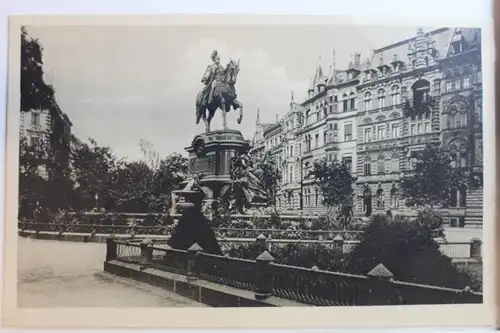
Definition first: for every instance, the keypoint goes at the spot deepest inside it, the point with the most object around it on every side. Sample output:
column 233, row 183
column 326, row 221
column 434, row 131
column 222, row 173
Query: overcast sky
column 119, row 84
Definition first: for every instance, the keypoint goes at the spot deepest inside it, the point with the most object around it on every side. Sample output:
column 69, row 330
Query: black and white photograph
column 250, row 165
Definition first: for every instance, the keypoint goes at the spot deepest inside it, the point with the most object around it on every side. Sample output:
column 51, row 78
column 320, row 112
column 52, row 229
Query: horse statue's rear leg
column 238, row 105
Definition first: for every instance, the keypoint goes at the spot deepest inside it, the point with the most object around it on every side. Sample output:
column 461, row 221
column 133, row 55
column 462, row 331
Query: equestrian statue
column 219, row 92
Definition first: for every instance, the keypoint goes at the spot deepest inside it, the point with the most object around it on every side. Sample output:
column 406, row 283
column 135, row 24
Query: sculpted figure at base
column 246, row 187
column 219, row 92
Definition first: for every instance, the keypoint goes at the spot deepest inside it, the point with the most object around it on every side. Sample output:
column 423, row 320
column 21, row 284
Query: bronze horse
column 224, row 97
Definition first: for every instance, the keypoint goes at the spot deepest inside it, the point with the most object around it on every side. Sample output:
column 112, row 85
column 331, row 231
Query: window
column 35, row 118
column 395, row 131
column 396, row 95
column 380, row 166
column 367, row 202
column 34, row 141
column 462, row 196
column 413, row 129
column 449, row 86
column 420, row 127
column 316, row 141
column 466, row 82
column 381, row 98
column 394, row 163
column 352, row 101
column 345, row 102
column 381, row 132
column 347, row 160
column 367, row 169
column 380, row 198
column 368, row 101
column 325, row 137
column 394, row 197
column 347, row 131
column 421, row 90
column 458, row 197
column 457, row 222
column 368, row 134
column 291, row 151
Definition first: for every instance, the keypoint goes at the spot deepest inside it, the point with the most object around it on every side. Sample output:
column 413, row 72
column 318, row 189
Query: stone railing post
column 380, row 286
column 338, row 243
column 475, row 248
column 146, row 252
column 191, row 271
column 111, row 248
column 261, row 242
column 264, row 275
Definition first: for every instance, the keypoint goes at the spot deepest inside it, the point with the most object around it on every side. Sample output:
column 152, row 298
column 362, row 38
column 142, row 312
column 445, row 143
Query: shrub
column 408, row 250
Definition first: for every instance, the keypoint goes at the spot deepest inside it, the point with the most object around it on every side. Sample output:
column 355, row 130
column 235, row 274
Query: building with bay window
column 377, row 113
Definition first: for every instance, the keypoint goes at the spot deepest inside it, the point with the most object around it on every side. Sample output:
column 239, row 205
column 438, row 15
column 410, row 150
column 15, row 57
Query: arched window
column 396, row 95
column 421, row 90
column 381, row 98
column 368, row 101
column 352, row 101
column 367, row 167
column 345, row 102
column 367, row 202
column 394, row 197
column 380, row 198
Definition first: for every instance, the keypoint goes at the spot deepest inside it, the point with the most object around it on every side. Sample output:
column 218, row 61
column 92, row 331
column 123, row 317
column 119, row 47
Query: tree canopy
column 35, row 93
column 335, row 183
column 432, row 178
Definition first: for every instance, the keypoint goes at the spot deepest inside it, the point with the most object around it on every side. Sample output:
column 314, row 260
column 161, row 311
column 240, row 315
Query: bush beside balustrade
column 266, row 278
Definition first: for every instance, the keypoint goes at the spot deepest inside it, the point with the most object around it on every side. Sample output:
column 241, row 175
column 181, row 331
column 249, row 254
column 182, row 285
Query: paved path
column 62, row 274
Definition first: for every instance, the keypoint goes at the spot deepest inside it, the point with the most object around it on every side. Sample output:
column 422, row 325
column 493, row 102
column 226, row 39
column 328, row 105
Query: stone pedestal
column 210, row 156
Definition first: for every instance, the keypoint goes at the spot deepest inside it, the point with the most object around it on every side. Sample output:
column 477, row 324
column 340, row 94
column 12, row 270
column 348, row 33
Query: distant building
column 51, row 127
column 362, row 114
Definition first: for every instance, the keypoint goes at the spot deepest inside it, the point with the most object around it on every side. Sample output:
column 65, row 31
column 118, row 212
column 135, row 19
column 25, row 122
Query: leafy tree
column 32, row 186
column 270, row 177
column 35, row 93
column 431, row 181
column 95, row 171
column 336, row 185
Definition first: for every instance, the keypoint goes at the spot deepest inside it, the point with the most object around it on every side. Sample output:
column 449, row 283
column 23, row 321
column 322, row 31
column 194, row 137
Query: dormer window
column 457, row 43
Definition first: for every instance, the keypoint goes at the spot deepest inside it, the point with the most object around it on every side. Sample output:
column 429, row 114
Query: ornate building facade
column 365, row 114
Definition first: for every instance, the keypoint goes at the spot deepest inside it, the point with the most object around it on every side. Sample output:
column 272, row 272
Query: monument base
column 210, row 157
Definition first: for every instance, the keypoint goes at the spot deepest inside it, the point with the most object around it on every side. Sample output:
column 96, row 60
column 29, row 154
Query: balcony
column 419, row 106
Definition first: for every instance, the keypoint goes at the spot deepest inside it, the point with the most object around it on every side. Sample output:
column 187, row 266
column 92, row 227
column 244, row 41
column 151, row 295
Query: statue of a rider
column 212, row 78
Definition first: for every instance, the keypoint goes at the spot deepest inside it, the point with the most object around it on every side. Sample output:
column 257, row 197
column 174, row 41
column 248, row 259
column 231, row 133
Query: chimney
column 277, row 118
column 357, row 60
